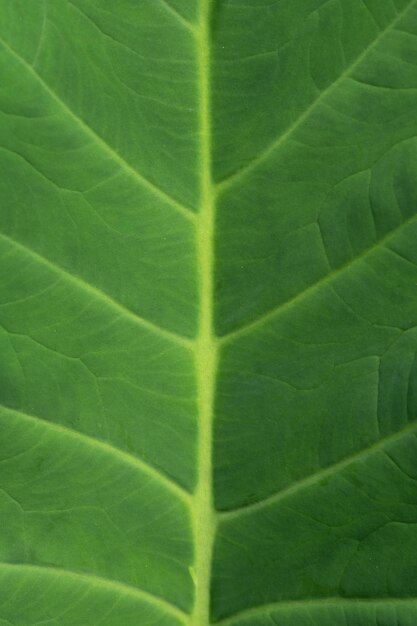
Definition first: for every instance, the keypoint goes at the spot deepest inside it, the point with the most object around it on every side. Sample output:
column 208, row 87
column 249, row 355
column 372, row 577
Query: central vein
column 206, row 346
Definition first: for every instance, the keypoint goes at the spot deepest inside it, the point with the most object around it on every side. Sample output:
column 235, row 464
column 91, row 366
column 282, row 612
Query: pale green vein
column 111, row 152
column 188, row 25
column 105, row 584
column 288, row 605
column 277, row 143
column 166, row 6
column 328, row 278
column 170, row 9
column 206, row 346
column 97, row 294
column 317, row 477
column 42, row 35
column 79, row 359
column 94, row 444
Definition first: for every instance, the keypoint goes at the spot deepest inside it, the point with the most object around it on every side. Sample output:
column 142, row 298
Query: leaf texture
column 208, row 312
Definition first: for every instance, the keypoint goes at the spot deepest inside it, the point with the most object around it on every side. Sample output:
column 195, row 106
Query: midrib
column 206, row 346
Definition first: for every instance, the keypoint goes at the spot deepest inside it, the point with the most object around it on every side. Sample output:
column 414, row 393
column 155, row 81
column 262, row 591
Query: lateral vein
column 98, row 294
column 308, row 604
column 328, row 278
column 107, row 448
column 145, row 182
column 97, row 581
column 233, row 178
column 313, row 479
column 170, row 9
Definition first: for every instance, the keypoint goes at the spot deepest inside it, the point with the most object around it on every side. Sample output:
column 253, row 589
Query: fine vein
column 97, row 293
column 99, row 582
column 279, row 141
column 92, row 443
column 311, row 289
column 308, row 604
column 206, row 351
column 317, row 477
column 115, row 156
column 177, row 15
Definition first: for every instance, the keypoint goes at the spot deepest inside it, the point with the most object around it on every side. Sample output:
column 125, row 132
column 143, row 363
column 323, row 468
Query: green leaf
column 208, row 310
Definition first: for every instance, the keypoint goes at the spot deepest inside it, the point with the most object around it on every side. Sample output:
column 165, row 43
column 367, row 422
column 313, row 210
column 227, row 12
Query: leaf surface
column 208, row 312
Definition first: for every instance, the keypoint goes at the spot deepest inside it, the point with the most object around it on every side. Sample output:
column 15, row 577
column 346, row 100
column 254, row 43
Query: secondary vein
column 310, row 603
column 233, row 178
column 93, row 443
column 92, row 580
column 320, row 475
column 327, row 279
column 112, row 153
column 98, row 294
